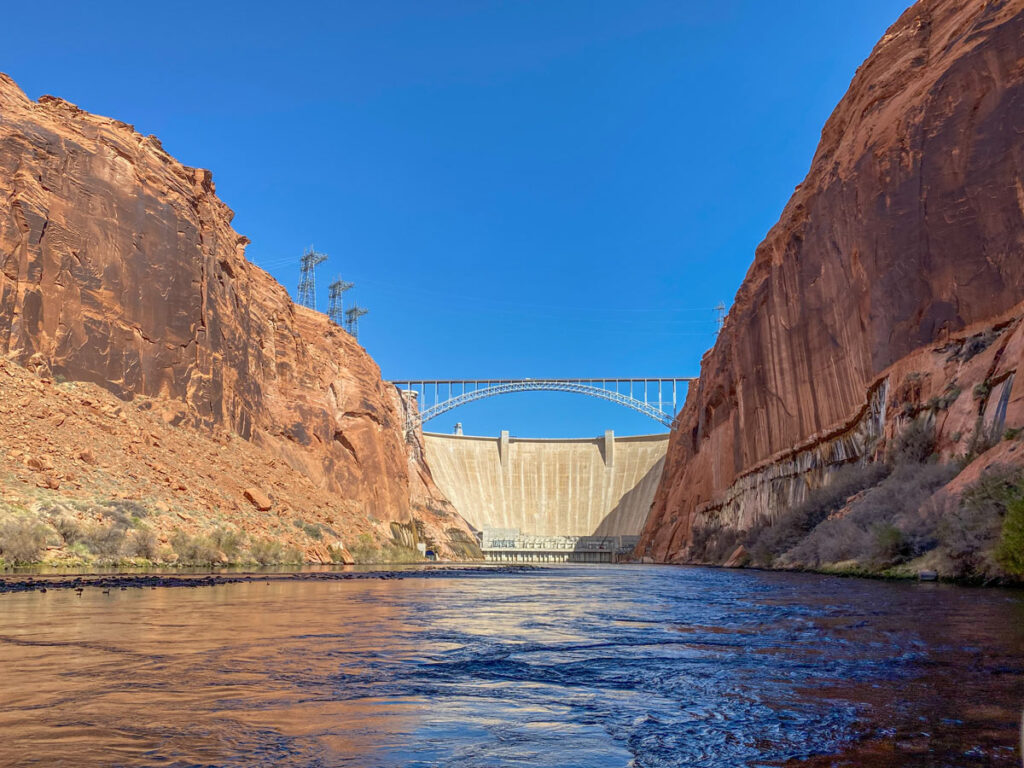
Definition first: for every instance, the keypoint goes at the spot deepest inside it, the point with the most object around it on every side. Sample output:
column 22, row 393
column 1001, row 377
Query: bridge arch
column 658, row 398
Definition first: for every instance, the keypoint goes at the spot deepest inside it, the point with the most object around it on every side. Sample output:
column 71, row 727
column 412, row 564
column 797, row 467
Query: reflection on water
column 572, row 666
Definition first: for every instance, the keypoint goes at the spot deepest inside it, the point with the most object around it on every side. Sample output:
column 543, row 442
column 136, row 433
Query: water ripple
column 589, row 667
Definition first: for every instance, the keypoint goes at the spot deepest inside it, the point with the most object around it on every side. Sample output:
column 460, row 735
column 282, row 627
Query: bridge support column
column 503, row 447
column 609, row 448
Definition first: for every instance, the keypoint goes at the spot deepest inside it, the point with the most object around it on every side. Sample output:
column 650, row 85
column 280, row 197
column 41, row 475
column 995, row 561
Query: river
column 555, row 667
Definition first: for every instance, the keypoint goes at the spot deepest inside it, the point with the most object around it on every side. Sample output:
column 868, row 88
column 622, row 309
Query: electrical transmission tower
column 336, row 293
column 352, row 316
column 720, row 316
column 307, row 279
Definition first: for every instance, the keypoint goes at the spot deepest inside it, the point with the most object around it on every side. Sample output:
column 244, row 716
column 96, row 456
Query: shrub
column 69, row 528
column 142, row 543
column 337, row 552
column 267, row 551
column 699, row 537
column 392, row 552
column 866, row 532
column 104, row 540
column 365, row 550
column 312, row 530
column 228, row 542
column 124, row 511
column 915, row 444
column 890, row 545
column 970, row 531
column 714, row 544
column 22, row 540
column 977, row 344
column 194, row 550
column 1010, row 551
column 768, row 542
column 982, row 439
column 948, row 397
column 994, row 490
column 967, row 535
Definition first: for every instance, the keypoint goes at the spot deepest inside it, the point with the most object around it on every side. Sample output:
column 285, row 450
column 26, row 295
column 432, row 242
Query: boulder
column 739, row 558
column 258, row 499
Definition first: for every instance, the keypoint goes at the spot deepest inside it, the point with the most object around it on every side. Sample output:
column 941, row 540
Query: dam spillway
column 600, row 486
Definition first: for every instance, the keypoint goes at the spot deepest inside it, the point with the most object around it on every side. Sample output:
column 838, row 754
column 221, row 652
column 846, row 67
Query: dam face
column 549, row 488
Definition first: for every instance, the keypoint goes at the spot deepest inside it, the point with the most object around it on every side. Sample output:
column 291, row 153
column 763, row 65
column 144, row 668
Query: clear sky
column 547, row 188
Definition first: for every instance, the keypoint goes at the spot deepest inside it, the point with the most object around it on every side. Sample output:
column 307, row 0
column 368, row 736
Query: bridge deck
column 656, row 397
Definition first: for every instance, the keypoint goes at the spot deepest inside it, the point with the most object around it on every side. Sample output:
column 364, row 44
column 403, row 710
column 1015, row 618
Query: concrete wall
column 595, row 486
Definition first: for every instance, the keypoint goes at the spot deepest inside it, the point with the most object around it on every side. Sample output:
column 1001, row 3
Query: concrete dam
column 553, row 494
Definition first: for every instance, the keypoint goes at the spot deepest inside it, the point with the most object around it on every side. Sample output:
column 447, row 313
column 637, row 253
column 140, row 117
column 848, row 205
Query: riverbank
column 125, row 581
column 910, row 514
column 900, row 574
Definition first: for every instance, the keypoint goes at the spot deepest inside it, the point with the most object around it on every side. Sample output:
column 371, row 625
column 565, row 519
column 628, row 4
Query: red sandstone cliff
column 119, row 266
column 905, row 239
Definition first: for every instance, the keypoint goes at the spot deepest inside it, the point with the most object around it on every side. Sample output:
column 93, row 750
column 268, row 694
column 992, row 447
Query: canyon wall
column 902, row 248
column 119, row 267
column 578, row 487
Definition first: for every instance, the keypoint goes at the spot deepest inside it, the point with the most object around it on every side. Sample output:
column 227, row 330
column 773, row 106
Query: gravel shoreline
column 125, row 581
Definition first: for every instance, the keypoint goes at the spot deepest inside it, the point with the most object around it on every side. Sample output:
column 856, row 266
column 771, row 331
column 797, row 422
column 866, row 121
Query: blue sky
column 557, row 188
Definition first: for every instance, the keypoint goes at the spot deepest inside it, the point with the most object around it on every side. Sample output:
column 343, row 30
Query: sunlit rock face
column 120, row 267
column 906, row 237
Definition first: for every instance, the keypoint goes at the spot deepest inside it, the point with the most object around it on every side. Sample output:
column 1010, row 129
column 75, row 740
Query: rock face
column 119, row 266
column 906, row 238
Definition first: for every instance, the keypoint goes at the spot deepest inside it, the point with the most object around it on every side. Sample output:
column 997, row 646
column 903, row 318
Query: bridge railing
column 656, row 397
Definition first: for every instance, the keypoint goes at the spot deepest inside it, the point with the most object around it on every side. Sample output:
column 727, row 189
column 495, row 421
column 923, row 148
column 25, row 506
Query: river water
column 560, row 667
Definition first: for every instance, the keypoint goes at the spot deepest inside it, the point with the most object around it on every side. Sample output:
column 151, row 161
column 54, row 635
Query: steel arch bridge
column 657, row 398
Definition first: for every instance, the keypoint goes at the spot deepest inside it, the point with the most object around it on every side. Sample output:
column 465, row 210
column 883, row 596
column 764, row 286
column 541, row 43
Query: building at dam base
column 550, row 495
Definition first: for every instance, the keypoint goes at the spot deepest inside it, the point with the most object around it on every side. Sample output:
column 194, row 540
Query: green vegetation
column 977, row 536
column 337, row 553
column 367, row 551
column 915, row 444
column 142, row 544
column 194, row 550
column 121, row 532
column 313, row 530
column 882, row 527
column 768, row 542
column 270, row 552
column 229, row 543
column 22, row 540
column 894, row 519
column 1010, row 551
column 976, row 344
column 104, row 541
column 981, row 440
